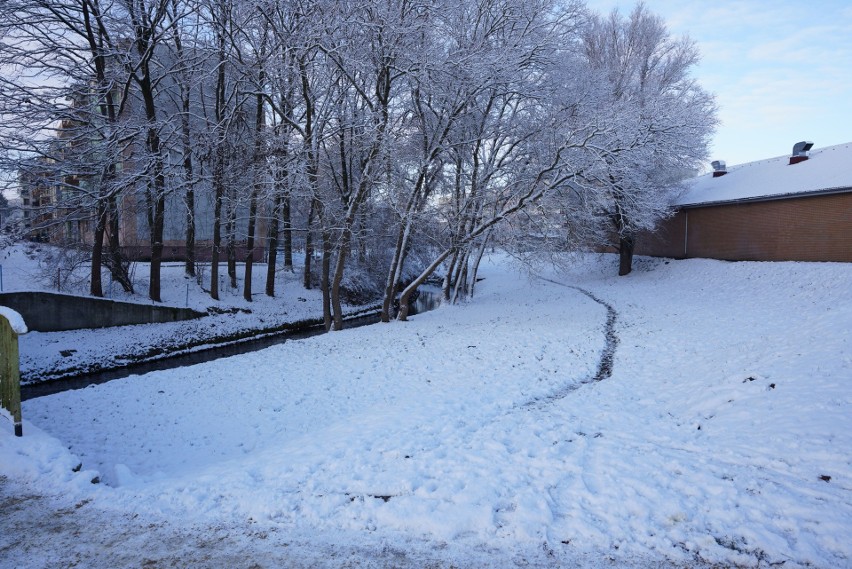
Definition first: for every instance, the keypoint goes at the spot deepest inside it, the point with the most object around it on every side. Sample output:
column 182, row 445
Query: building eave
column 767, row 198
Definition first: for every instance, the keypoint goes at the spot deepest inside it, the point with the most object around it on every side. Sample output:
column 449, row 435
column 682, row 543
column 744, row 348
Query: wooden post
column 10, row 373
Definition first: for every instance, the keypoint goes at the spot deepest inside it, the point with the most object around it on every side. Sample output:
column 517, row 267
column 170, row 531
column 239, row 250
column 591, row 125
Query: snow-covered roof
column 827, row 170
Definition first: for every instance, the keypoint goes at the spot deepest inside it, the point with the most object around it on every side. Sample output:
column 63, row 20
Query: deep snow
column 467, row 437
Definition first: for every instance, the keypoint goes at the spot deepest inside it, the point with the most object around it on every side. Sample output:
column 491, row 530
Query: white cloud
column 811, row 44
column 780, row 70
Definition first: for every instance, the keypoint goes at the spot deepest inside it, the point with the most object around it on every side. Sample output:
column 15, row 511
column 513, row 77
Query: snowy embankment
column 47, row 356
column 722, row 437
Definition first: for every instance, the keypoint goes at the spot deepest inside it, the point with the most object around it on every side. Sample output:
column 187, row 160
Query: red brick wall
column 666, row 241
column 173, row 251
column 817, row 228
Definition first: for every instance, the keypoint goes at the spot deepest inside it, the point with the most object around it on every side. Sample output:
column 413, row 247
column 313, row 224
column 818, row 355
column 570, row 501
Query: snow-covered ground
column 471, row 437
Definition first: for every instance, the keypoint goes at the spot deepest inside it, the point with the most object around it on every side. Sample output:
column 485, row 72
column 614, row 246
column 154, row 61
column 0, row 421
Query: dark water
column 426, row 301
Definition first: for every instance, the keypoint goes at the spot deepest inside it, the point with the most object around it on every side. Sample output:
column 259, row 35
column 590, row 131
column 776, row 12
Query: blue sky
column 781, row 71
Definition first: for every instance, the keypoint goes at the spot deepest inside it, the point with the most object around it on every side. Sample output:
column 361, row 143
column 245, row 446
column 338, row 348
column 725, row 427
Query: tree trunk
column 394, row 271
column 219, row 190
column 461, row 275
column 272, row 243
column 155, row 200
column 626, row 245
column 94, row 33
column 189, row 254
column 255, row 191
column 361, row 234
column 217, row 244
column 96, row 285
column 405, row 297
column 324, row 283
column 186, row 140
column 219, row 157
column 342, row 254
column 157, row 246
column 288, row 232
column 250, row 246
column 156, row 207
column 145, row 41
column 117, row 265
column 309, row 245
column 448, row 278
column 231, row 241
column 479, row 254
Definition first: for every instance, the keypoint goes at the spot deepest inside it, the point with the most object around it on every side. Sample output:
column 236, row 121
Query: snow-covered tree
column 512, row 145
column 397, row 137
column 659, row 120
column 64, row 99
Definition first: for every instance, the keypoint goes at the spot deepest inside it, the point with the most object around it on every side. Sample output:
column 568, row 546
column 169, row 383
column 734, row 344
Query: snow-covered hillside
column 471, row 436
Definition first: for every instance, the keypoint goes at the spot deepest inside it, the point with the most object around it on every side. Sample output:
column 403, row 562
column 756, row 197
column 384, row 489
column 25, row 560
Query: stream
column 428, row 299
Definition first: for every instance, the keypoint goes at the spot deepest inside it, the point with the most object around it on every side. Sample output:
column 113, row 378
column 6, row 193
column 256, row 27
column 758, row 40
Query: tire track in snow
column 605, row 363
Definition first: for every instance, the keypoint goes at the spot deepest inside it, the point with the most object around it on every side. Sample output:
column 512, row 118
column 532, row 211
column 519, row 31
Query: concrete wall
column 796, row 229
column 52, row 312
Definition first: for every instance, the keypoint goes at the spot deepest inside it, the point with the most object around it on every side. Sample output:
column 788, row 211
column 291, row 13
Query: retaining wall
column 54, row 312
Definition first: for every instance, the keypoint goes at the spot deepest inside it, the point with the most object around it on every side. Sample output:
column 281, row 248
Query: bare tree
column 260, row 52
column 188, row 63
column 515, row 141
column 385, row 31
column 399, row 137
column 220, row 22
column 285, row 23
column 65, row 97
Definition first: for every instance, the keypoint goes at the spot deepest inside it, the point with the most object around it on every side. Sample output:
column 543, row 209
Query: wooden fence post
column 11, row 325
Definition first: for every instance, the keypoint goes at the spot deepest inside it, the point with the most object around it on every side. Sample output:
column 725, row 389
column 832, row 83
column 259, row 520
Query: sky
column 781, row 71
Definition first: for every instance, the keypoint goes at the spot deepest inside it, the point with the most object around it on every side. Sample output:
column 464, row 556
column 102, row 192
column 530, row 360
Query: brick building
column 791, row 208
column 57, row 192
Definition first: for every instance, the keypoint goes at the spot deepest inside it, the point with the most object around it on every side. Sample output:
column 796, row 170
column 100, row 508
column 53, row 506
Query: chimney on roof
column 719, row 168
column 800, row 151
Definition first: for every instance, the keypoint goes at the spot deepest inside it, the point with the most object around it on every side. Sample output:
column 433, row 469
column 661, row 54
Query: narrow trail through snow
column 611, row 338
column 604, row 368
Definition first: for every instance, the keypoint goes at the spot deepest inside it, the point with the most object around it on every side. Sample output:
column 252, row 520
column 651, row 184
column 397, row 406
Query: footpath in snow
column 472, row 436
